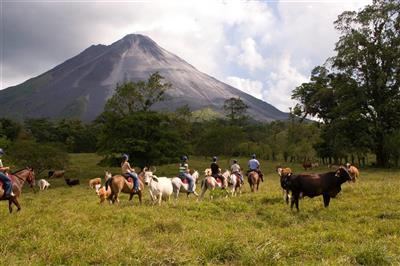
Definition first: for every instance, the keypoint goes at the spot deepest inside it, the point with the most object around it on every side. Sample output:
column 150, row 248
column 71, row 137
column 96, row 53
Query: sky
column 264, row 48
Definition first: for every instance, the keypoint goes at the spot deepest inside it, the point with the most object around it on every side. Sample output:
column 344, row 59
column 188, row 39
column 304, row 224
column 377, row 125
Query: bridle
column 29, row 178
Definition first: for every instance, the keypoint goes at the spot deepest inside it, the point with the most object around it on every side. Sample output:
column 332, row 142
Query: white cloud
column 252, row 87
column 281, row 82
column 249, row 57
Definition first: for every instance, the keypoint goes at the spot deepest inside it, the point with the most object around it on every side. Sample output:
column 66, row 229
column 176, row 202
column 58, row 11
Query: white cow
column 159, row 187
column 179, row 186
column 43, row 184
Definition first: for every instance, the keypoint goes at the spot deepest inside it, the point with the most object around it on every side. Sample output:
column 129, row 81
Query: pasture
column 66, row 225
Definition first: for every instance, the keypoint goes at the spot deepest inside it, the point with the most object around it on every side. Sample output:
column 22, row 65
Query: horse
column 18, row 179
column 119, row 184
column 182, row 186
column 234, row 183
column 210, row 183
column 254, row 180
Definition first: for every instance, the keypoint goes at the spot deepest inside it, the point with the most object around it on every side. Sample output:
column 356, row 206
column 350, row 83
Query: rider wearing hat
column 235, row 168
column 215, row 171
column 184, row 173
column 254, row 165
column 7, row 185
column 128, row 171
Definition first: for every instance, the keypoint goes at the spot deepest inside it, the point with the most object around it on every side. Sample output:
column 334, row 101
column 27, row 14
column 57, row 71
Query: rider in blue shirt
column 254, row 165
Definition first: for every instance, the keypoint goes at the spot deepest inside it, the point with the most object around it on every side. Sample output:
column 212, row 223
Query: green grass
column 67, row 225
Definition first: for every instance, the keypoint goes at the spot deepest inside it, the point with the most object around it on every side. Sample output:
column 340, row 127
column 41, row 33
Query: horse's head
column 30, row 178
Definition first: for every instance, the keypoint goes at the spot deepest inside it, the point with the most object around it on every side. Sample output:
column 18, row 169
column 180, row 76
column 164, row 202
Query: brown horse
column 254, row 180
column 18, row 179
column 119, row 184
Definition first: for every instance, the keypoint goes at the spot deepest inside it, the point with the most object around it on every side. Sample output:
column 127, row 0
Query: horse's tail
column 203, row 183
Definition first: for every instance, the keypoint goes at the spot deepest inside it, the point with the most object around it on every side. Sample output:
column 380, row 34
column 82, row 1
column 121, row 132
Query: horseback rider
column 7, row 184
column 215, row 172
column 254, row 165
column 184, row 173
column 128, row 171
column 235, row 168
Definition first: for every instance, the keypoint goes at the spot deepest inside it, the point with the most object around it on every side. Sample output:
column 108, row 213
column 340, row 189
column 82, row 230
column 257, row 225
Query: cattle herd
column 294, row 186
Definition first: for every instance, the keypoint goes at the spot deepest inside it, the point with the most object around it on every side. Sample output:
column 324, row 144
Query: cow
column 103, row 193
column 353, row 171
column 311, row 185
column 71, row 182
column 159, row 187
column 56, row 173
column 43, row 184
column 307, row 165
column 284, row 174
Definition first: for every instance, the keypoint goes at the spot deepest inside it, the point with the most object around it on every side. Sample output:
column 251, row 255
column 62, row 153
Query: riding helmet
column 253, row 156
column 215, row 158
column 125, row 156
column 184, row 158
column 1, row 151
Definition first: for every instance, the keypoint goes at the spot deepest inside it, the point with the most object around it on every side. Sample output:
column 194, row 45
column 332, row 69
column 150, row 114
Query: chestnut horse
column 18, row 179
column 119, row 184
column 254, row 180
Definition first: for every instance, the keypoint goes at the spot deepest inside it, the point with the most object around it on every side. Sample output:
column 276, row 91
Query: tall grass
column 67, row 225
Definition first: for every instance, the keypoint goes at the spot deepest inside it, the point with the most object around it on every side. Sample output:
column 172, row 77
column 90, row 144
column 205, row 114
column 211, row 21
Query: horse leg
column 203, row 191
column 140, row 197
column 159, row 199
column 10, row 205
column 16, row 203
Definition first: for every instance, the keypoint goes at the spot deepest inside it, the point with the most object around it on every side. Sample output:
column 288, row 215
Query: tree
column 235, row 110
column 137, row 96
column 9, row 129
column 148, row 137
column 39, row 156
column 359, row 86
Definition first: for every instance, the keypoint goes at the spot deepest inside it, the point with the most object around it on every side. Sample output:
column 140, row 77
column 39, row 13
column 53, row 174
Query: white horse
column 234, row 183
column 180, row 186
column 209, row 183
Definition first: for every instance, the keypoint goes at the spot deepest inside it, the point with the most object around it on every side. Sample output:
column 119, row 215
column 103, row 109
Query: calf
column 311, row 185
column 43, row 184
column 95, row 181
column 103, row 193
column 353, row 171
column 285, row 173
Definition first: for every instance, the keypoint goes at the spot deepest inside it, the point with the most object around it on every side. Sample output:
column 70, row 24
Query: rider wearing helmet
column 215, row 171
column 128, row 171
column 235, row 168
column 5, row 179
column 254, row 165
column 184, row 173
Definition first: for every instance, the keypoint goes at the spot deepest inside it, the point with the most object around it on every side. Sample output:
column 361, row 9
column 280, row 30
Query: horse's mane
column 13, row 173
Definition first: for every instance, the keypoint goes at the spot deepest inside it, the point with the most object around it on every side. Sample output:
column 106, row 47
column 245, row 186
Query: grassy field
column 67, row 225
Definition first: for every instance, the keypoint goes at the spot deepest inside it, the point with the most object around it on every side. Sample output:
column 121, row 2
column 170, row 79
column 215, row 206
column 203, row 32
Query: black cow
column 72, row 182
column 311, row 185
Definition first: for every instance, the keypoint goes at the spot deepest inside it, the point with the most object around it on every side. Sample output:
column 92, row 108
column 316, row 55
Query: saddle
column 185, row 181
column 129, row 179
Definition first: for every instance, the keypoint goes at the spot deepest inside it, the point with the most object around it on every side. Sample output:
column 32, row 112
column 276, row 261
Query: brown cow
column 328, row 185
column 56, row 173
column 307, row 165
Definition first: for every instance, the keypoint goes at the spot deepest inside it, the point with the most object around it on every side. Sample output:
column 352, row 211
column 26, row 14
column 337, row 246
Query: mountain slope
column 79, row 87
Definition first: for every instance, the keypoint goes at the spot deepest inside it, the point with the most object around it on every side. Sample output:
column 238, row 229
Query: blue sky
column 265, row 48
